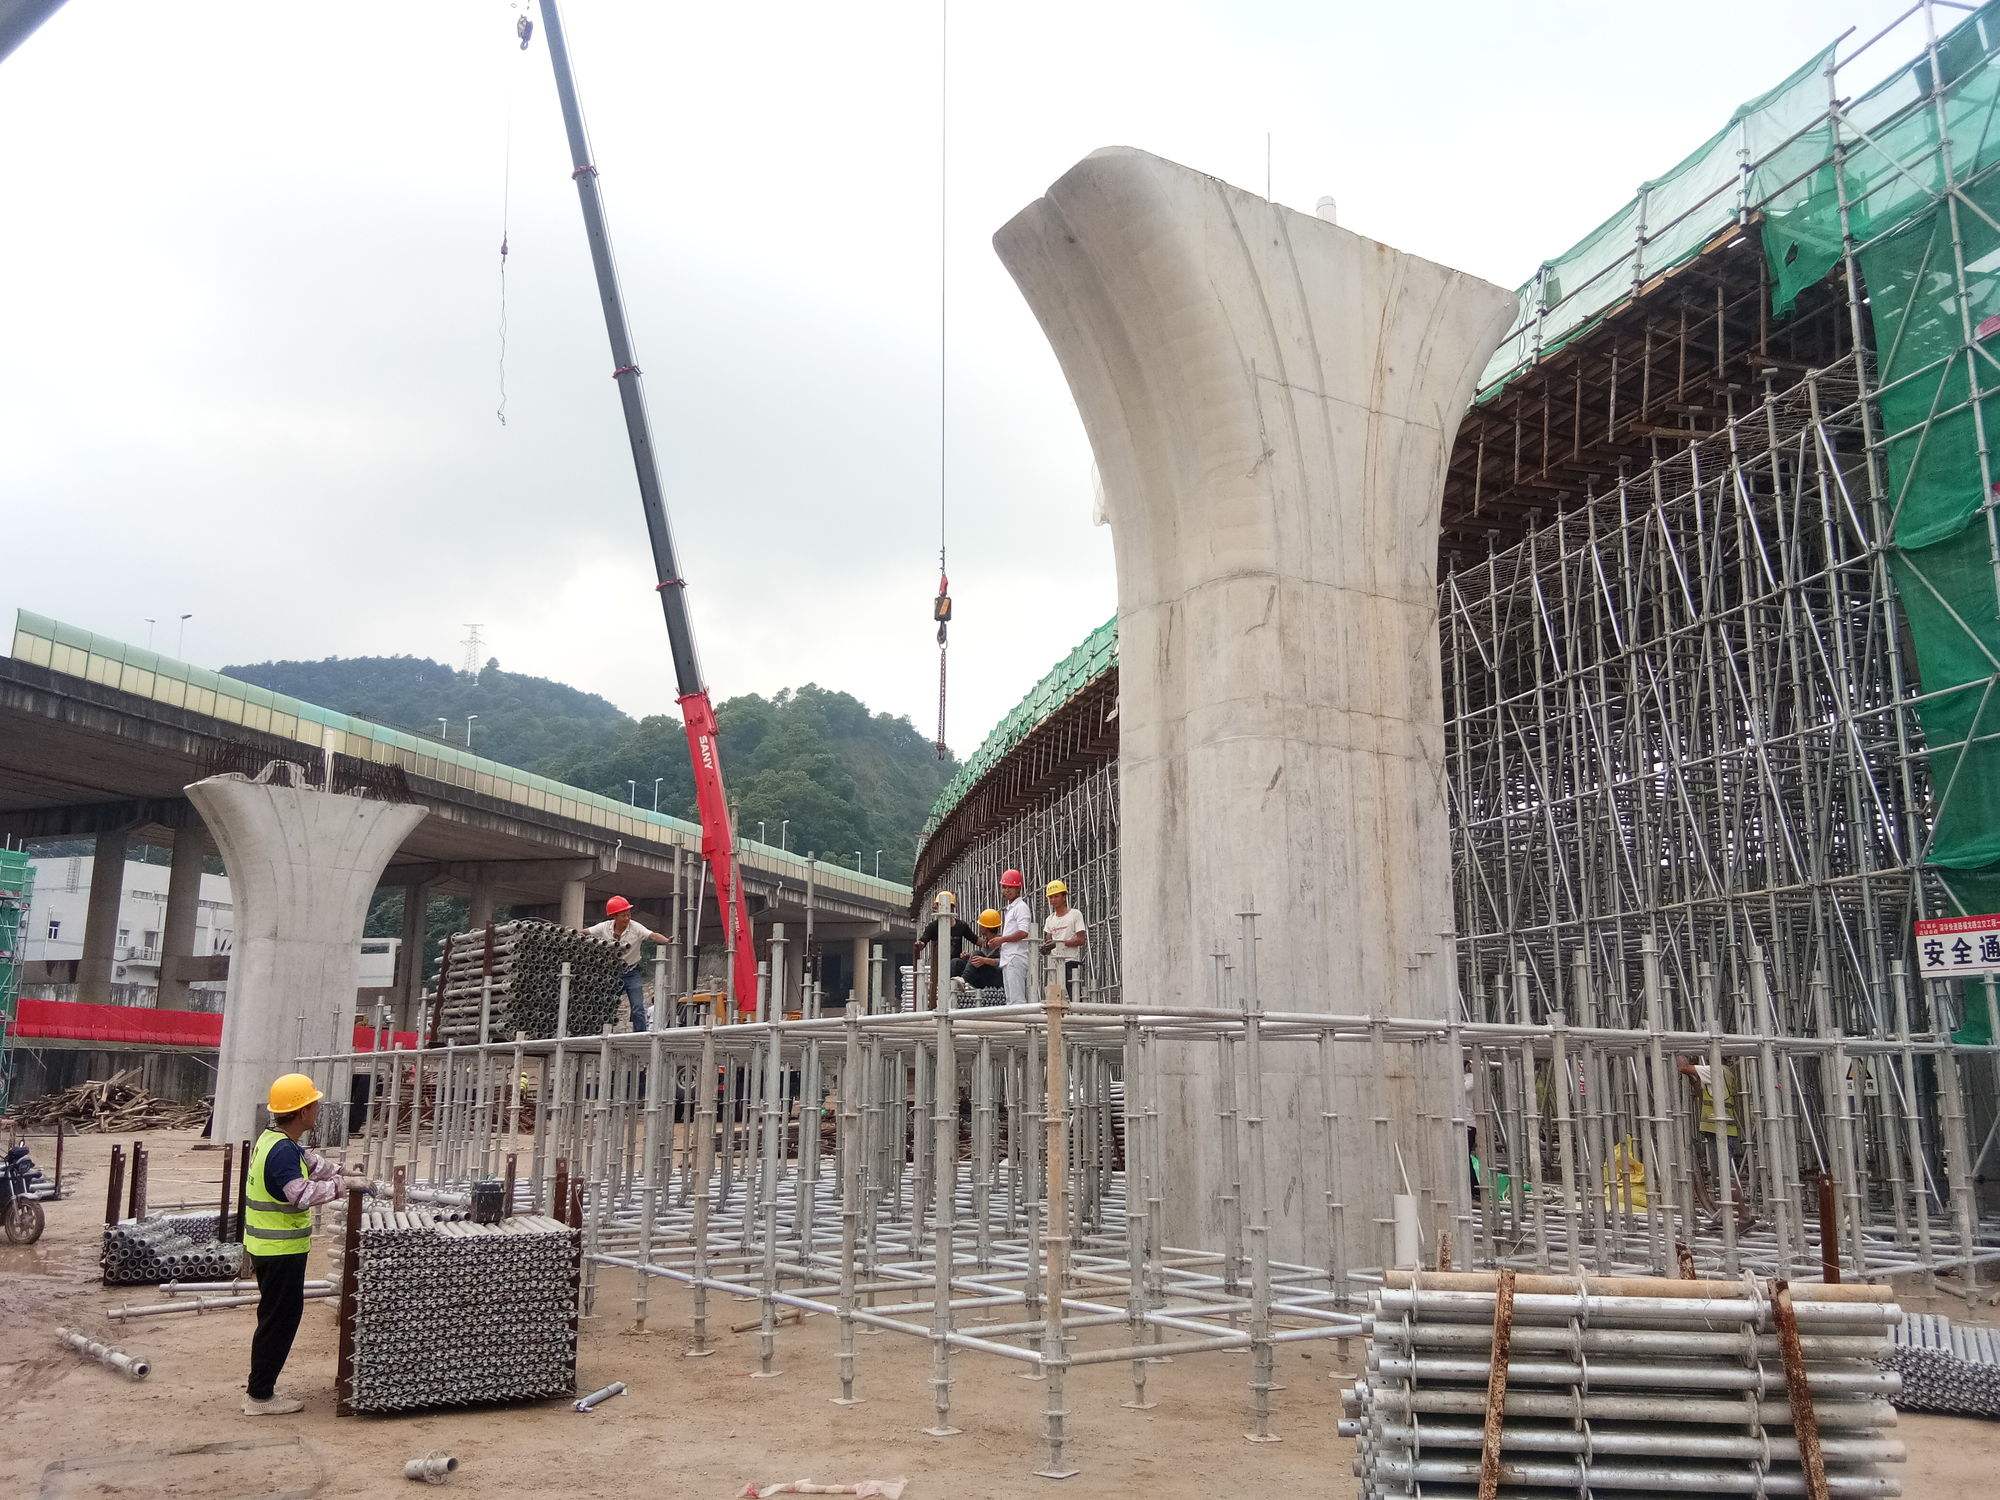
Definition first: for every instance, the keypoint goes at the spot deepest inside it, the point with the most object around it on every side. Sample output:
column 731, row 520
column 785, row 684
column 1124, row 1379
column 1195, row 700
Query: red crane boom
column 718, row 843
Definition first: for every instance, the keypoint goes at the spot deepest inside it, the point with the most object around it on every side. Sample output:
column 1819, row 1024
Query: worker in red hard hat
column 630, row 936
column 1015, row 940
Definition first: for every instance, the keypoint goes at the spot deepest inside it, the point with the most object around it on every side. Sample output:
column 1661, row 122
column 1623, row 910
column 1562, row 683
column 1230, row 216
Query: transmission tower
column 475, row 646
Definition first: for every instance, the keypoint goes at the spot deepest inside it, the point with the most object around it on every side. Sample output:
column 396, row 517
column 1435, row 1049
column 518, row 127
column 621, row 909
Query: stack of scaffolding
column 527, row 970
column 446, row 1312
column 1591, row 1385
column 166, row 1247
column 1947, row 1366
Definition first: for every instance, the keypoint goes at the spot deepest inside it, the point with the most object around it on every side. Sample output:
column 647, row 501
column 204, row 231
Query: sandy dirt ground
column 69, row 1428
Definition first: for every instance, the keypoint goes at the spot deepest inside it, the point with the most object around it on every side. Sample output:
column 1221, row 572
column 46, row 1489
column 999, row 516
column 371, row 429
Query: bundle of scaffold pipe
column 1505, row 1384
column 526, row 977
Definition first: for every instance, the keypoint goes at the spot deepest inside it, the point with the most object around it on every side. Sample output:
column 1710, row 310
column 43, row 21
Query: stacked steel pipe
column 523, row 961
column 1946, row 1366
column 166, row 1247
column 1590, row 1385
column 454, row 1313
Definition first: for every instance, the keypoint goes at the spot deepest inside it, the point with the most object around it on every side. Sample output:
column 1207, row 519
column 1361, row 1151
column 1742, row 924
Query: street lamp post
column 632, row 791
column 656, row 792
column 878, row 864
column 785, row 833
column 180, row 641
column 150, row 623
column 468, row 729
column 857, row 861
column 444, row 729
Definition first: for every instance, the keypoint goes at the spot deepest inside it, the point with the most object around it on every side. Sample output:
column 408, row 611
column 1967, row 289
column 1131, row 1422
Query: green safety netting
column 1934, row 352
column 1767, row 144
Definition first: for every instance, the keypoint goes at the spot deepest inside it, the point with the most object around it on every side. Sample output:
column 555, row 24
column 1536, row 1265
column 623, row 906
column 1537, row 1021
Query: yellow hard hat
column 945, row 901
column 1056, row 888
column 990, row 918
column 292, row 1092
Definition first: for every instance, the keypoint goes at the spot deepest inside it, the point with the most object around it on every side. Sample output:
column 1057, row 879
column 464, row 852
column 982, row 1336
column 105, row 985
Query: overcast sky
column 249, row 353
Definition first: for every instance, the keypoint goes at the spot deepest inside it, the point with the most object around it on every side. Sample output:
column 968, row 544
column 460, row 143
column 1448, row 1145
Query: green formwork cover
column 1938, row 441
column 1914, row 241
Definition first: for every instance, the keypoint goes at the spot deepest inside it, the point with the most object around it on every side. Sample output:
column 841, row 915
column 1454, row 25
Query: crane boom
column 718, row 845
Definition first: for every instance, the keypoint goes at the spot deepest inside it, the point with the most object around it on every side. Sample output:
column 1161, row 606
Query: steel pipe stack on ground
column 450, row 1313
column 1627, row 1383
column 526, row 962
column 1946, row 1366
column 166, row 1247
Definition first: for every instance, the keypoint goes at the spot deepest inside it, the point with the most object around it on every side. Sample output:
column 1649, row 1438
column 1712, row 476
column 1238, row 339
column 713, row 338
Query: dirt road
column 693, row 1427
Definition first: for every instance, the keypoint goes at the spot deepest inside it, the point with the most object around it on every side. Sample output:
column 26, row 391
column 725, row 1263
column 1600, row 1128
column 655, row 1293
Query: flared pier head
column 302, row 866
column 1271, row 401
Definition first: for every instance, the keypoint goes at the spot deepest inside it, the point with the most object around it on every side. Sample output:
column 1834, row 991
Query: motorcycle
column 21, row 1216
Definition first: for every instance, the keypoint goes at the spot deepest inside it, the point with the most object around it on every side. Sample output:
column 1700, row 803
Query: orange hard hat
column 616, row 905
column 1010, row 878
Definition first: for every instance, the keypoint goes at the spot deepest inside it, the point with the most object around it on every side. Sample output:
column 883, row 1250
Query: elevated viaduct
column 98, row 740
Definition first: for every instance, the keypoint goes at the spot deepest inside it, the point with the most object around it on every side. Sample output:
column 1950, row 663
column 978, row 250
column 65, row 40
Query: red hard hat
column 616, row 905
column 1010, row 877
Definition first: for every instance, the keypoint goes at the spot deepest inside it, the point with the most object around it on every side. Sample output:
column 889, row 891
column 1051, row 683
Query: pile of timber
column 524, row 962
column 1483, row 1383
column 115, row 1104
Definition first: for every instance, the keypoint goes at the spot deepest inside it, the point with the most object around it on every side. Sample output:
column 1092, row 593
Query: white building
column 58, row 909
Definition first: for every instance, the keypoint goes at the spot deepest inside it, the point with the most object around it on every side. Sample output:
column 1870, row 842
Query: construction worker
column 981, row 969
column 630, row 936
column 1063, row 935
column 1732, row 1135
column 961, row 937
column 286, row 1181
column 1016, row 936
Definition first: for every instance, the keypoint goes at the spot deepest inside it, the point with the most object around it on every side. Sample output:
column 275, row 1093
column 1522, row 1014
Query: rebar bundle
column 524, row 963
column 1946, row 1366
column 450, row 1313
column 1589, row 1385
column 166, row 1247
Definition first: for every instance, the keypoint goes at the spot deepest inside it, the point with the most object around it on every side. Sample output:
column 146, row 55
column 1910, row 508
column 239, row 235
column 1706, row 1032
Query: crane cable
column 941, row 607
column 525, row 30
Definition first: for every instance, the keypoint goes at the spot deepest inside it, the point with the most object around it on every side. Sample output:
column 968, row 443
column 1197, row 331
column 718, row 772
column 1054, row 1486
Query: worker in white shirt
column 1014, row 940
column 630, row 936
column 1063, row 936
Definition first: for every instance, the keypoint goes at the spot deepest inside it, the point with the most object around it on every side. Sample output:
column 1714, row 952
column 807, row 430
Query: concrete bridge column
column 480, row 906
column 858, row 967
column 100, row 925
column 192, row 846
column 572, row 904
column 1271, row 401
column 303, row 866
column 412, row 956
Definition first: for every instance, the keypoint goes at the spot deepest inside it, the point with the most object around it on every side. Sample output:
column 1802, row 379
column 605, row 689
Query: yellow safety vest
column 272, row 1226
column 1728, row 1103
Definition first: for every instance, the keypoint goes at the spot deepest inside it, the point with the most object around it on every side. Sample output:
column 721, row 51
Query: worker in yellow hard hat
column 981, row 969
column 286, row 1181
column 1063, row 936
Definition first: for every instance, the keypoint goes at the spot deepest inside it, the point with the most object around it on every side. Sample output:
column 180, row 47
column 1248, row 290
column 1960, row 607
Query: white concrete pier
column 302, row 866
column 1271, row 401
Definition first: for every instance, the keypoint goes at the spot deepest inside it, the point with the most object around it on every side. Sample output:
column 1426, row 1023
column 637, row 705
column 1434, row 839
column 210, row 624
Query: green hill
column 845, row 779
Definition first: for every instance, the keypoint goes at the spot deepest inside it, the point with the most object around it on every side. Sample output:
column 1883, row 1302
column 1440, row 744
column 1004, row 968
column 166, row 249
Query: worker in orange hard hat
column 285, row 1182
column 630, row 936
column 1014, row 940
